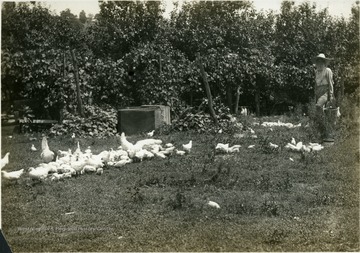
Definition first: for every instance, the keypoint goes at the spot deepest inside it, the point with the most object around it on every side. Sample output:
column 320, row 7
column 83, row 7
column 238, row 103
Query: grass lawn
column 268, row 202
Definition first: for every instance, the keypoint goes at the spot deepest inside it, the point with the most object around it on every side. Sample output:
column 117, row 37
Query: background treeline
column 129, row 54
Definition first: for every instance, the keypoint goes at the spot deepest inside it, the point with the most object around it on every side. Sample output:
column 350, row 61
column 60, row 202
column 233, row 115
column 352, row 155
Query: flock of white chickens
column 67, row 164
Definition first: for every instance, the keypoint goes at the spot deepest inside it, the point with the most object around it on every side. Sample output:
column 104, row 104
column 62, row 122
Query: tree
column 301, row 33
column 235, row 42
column 122, row 25
column 130, row 55
column 82, row 17
column 90, row 17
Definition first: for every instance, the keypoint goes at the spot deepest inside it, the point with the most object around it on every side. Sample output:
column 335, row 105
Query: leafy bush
column 201, row 121
column 99, row 122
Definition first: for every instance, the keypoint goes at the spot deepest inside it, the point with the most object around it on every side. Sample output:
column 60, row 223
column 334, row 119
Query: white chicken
column 61, row 153
column 70, row 170
column 222, row 147
column 168, row 151
column 65, row 168
column 306, row 148
column 51, row 168
column 213, row 204
column 160, row 154
column 132, row 153
column 317, row 148
column 104, row 156
column 290, row 146
column 169, row 145
column 39, row 173
column 147, row 143
column 165, row 152
column 57, row 162
column 293, row 142
column 225, row 148
column 89, row 168
column 234, row 148
column 124, row 157
column 120, row 153
column 140, row 154
column 172, row 148
column 66, row 159
column 112, row 155
column 187, row 147
column 273, row 145
column 179, row 152
column 46, row 155
column 56, row 177
column 88, row 151
column 78, row 165
column 244, row 111
column 148, row 154
column 155, row 149
column 151, row 134
column 294, row 147
column 122, row 163
column 33, row 148
column 5, row 160
column 125, row 144
column 299, row 145
column 68, row 174
column 99, row 171
column 12, row 175
column 97, row 163
column 78, row 150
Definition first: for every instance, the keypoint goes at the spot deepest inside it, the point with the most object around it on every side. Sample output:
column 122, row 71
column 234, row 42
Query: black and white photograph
column 180, row 126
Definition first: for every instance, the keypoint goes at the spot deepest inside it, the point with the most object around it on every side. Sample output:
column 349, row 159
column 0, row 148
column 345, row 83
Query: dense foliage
column 99, row 122
column 129, row 54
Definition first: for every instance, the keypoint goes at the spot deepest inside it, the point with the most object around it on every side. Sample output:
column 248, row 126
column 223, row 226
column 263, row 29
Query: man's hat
column 322, row 56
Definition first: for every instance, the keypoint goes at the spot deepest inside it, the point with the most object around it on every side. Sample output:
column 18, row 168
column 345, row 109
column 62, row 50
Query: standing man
column 324, row 93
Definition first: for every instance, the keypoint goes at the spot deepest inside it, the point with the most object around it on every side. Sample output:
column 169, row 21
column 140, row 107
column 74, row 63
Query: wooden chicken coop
column 133, row 120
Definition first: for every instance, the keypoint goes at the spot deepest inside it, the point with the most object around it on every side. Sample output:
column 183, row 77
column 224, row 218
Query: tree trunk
column 257, row 97
column 229, row 97
column 64, row 65
column 257, row 102
column 207, row 89
column 77, row 82
column 61, row 107
column 160, row 65
column 236, row 109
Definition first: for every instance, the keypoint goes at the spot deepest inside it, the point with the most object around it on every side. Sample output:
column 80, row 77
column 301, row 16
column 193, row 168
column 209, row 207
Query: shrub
column 200, row 120
column 99, row 122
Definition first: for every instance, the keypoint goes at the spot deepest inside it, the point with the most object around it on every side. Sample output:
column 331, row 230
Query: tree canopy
column 129, row 54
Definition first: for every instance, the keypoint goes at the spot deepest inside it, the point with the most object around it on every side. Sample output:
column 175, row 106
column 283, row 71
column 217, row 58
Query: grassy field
column 268, row 202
